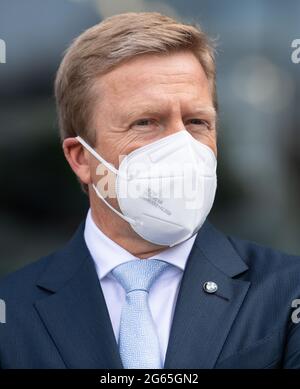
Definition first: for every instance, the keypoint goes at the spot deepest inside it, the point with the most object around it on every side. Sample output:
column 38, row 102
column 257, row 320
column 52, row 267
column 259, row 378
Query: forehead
column 160, row 77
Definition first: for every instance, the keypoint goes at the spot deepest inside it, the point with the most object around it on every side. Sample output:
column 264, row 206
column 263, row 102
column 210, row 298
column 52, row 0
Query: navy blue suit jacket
column 57, row 316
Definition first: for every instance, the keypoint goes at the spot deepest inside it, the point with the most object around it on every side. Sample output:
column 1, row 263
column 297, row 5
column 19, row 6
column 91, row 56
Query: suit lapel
column 201, row 320
column 75, row 313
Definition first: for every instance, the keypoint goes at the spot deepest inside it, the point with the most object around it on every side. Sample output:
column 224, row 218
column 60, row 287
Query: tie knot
column 139, row 274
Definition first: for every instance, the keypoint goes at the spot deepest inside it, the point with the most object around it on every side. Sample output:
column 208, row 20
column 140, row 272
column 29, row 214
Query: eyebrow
column 147, row 109
column 141, row 110
column 208, row 110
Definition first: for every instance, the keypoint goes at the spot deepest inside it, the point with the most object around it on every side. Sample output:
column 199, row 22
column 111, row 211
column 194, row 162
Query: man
column 146, row 281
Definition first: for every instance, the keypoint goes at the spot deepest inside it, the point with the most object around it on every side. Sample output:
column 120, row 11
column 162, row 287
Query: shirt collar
column 107, row 254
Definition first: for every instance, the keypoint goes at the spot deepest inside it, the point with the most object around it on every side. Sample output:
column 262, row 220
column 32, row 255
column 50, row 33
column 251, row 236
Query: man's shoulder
column 253, row 252
column 234, row 255
column 21, row 283
column 266, row 264
column 57, row 266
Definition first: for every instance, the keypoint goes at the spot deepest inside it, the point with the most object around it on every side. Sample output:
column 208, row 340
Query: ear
column 78, row 159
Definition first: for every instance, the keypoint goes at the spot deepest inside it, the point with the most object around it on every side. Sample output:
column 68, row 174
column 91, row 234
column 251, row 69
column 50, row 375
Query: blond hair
column 117, row 39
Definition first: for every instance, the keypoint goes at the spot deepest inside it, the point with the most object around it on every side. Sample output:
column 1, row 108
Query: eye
column 146, row 124
column 198, row 123
column 143, row 122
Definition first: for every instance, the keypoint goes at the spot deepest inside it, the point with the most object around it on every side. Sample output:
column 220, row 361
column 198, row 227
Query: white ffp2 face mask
column 165, row 189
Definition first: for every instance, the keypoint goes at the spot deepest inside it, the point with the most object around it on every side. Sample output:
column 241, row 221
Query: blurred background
column 41, row 203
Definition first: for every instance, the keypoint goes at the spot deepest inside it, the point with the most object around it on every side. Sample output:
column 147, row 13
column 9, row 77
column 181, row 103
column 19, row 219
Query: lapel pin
column 210, row 287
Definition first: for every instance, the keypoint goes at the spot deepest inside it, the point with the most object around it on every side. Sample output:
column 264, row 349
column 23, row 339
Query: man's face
column 148, row 98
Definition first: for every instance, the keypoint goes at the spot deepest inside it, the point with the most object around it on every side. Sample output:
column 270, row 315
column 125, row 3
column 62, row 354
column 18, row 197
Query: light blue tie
column 138, row 339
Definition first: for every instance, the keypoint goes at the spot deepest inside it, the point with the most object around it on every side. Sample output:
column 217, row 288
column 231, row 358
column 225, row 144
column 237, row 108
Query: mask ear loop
column 97, row 156
column 114, row 170
column 126, row 218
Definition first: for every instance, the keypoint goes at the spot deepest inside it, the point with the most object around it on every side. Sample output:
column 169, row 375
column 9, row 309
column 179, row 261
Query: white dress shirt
column 163, row 294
